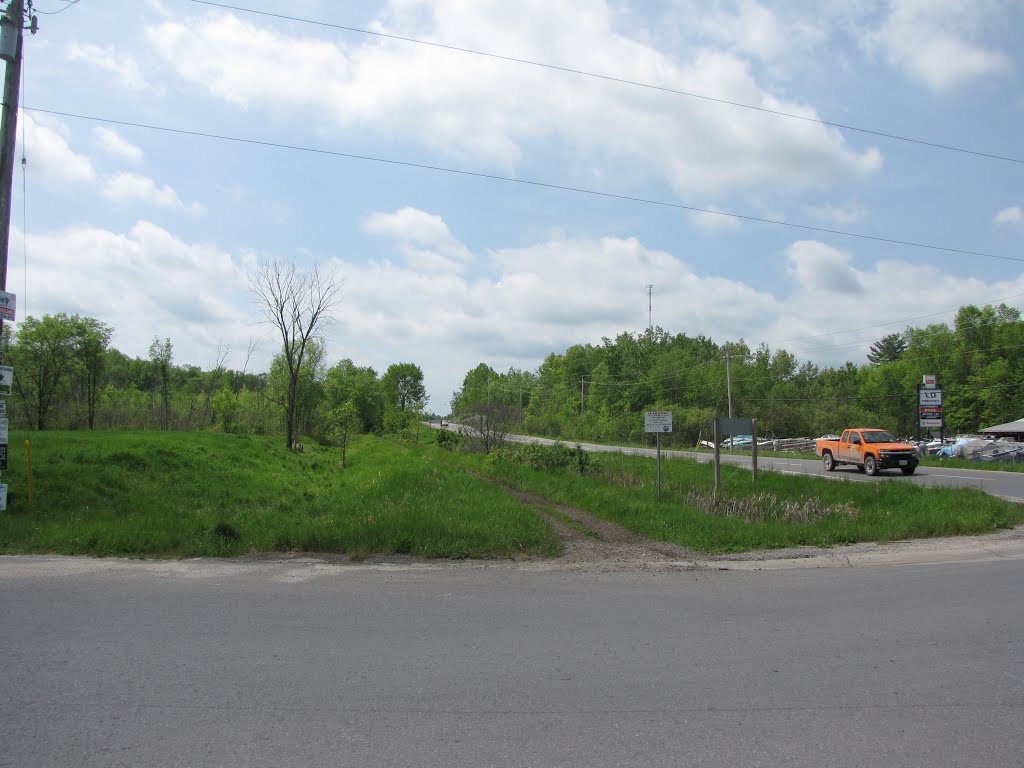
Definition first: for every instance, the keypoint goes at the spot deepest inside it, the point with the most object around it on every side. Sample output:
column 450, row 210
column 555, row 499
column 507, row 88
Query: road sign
column 657, row 421
column 6, row 379
column 3, row 458
column 3, row 431
column 3, row 498
column 3, row 409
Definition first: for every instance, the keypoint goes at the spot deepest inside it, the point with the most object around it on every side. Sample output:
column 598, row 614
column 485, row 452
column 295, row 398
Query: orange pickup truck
column 870, row 449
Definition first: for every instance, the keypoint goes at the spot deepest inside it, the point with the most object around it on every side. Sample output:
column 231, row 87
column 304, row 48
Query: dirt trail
column 590, row 540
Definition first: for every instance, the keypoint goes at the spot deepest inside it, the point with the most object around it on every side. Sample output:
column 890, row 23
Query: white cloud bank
column 532, row 301
column 485, row 110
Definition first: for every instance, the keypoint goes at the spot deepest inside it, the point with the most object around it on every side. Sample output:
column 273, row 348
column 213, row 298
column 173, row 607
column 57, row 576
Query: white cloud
column 121, row 65
column 750, row 28
column 712, row 219
column 1011, row 215
column 486, row 110
column 144, row 283
column 935, row 41
column 424, row 239
column 49, row 155
column 133, row 187
column 812, row 323
column 837, row 215
column 818, row 267
column 112, row 143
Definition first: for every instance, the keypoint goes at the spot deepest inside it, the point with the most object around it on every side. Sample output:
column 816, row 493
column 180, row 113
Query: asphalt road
column 1008, row 485
column 204, row 663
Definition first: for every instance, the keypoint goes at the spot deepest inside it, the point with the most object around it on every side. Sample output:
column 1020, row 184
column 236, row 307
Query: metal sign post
column 658, row 422
column 727, row 428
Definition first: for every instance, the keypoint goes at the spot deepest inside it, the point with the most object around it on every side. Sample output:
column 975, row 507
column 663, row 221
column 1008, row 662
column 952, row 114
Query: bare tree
column 486, row 426
column 298, row 304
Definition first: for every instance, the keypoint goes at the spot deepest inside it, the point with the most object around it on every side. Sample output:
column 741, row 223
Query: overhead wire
column 525, row 182
column 613, row 79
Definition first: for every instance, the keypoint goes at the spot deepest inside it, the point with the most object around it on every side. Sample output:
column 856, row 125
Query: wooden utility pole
column 12, row 27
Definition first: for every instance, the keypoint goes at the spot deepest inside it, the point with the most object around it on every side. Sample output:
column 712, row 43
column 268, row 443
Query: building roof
column 1009, row 428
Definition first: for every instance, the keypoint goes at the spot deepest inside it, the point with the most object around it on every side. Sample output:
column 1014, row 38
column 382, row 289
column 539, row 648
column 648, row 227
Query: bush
column 542, row 457
column 447, row 439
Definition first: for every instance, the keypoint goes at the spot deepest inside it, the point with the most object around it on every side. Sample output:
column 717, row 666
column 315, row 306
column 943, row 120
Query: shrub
column 447, row 439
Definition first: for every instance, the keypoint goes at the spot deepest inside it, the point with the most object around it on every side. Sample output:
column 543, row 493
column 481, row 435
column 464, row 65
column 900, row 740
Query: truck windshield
column 878, row 437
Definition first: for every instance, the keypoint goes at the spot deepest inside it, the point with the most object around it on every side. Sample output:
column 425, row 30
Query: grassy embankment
column 788, row 510
column 155, row 494
column 158, row 494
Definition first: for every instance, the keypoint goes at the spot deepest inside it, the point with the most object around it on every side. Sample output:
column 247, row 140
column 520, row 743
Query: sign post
column 658, row 422
column 929, row 407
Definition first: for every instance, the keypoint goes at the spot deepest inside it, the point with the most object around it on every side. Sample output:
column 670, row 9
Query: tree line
column 67, row 376
column 600, row 391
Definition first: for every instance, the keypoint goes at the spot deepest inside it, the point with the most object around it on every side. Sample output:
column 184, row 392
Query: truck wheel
column 907, row 470
column 870, row 466
column 827, row 461
column 860, row 468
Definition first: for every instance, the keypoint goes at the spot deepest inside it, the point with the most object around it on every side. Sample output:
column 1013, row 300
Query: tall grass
column 792, row 510
column 203, row 494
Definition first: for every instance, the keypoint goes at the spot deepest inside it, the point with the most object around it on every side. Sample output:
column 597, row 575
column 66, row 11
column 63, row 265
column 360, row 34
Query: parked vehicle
column 871, row 450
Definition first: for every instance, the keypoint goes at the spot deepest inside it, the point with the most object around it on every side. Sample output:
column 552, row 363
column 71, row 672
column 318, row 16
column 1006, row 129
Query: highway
column 1007, row 485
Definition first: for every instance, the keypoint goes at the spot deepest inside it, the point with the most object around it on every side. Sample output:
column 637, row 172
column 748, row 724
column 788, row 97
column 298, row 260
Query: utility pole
column 12, row 27
column 650, row 305
column 582, row 379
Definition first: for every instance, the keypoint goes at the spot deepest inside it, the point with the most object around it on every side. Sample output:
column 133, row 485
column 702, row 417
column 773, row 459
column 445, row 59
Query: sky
column 172, row 146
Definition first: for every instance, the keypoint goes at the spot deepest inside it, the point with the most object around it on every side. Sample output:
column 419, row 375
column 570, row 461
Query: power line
column 619, row 80
column 524, row 182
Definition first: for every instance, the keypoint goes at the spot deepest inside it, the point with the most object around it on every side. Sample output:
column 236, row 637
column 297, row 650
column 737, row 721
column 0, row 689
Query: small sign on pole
column 658, row 422
column 3, row 498
column 3, row 431
column 7, row 305
column 3, row 458
column 6, row 379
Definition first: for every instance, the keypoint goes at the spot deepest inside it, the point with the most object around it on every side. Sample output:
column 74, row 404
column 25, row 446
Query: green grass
column 166, row 494
column 623, row 489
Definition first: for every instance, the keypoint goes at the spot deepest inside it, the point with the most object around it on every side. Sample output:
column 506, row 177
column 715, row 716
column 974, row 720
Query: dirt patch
column 590, row 540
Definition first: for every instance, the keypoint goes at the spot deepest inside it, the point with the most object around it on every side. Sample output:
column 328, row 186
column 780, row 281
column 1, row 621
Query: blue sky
column 156, row 232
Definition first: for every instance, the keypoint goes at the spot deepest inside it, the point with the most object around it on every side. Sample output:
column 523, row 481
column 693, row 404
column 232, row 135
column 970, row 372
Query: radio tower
column 650, row 302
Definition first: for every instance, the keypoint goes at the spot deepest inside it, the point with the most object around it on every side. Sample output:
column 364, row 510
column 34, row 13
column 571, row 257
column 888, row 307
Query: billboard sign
column 929, row 407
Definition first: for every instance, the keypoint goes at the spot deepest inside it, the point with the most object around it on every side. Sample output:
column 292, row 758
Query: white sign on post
column 6, row 379
column 929, row 380
column 7, row 305
column 3, row 431
column 657, row 421
column 3, row 498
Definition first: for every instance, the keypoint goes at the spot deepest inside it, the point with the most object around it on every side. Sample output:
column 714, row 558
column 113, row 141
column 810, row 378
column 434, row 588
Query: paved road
column 1008, row 485
column 200, row 663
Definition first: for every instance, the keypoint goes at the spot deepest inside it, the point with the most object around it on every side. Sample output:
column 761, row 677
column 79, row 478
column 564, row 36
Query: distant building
column 1012, row 429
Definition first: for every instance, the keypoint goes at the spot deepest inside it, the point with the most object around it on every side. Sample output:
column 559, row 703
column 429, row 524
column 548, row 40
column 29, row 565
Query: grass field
column 168, row 494
column 789, row 510
column 190, row 494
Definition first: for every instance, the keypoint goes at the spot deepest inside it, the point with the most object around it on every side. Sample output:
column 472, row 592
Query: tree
column 161, row 353
column 345, row 422
column 91, row 340
column 43, row 353
column 403, row 387
column 888, row 349
column 299, row 305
